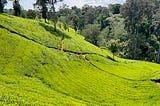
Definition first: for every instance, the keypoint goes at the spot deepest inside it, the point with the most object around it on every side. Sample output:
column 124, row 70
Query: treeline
column 16, row 7
column 46, row 8
column 31, row 14
column 142, row 22
column 131, row 30
column 18, row 10
column 96, row 23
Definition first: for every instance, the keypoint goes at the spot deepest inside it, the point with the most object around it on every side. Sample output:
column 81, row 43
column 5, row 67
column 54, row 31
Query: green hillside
column 34, row 72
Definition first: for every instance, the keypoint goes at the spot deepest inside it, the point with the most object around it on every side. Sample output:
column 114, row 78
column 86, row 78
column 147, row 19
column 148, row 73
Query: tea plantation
column 35, row 72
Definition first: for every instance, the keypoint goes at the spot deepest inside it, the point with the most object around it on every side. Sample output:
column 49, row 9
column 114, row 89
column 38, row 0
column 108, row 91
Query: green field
column 34, row 72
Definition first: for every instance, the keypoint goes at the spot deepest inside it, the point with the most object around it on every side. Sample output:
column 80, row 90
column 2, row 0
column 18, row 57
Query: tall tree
column 115, row 8
column 102, row 21
column 31, row 14
column 51, row 4
column 75, row 20
column 64, row 10
column 42, row 5
column 17, row 8
column 89, row 13
column 113, row 45
column 91, row 33
column 2, row 4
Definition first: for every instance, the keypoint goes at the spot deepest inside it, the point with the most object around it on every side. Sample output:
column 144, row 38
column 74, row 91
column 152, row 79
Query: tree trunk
column 54, row 16
column 1, row 7
column 62, row 43
column 113, row 56
column 55, row 22
column 134, row 47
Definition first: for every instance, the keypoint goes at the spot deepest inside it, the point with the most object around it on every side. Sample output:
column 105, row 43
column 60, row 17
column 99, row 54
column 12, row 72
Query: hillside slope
column 35, row 72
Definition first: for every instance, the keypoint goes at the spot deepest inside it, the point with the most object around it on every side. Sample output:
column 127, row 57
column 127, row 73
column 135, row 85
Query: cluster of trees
column 142, row 23
column 46, row 7
column 131, row 30
column 16, row 6
column 31, row 14
column 88, row 20
column 101, row 26
column 18, row 10
column 2, row 4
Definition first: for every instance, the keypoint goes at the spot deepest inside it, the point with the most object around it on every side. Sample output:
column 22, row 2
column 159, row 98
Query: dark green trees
column 156, row 27
column 91, row 33
column 113, row 45
column 51, row 4
column 17, row 8
column 2, row 4
column 44, row 12
column 48, row 5
column 115, row 8
column 42, row 6
column 31, row 14
column 75, row 20
column 139, row 23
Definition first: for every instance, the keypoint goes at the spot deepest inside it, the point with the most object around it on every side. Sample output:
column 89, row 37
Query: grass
column 34, row 72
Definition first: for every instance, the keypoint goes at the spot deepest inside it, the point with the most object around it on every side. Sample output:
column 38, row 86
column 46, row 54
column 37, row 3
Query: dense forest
column 131, row 30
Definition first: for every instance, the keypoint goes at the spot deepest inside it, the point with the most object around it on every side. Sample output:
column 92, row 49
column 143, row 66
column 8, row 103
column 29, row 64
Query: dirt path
column 62, row 45
column 158, row 84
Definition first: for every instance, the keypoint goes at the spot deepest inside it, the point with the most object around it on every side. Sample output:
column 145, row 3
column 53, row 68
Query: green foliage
column 113, row 45
column 101, row 21
column 115, row 8
column 31, row 14
column 75, row 20
column 140, row 18
column 91, row 33
column 35, row 72
column 42, row 4
column 2, row 4
column 133, row 26
column 85, row 16
column 17, row 8
column 44, row 12
column 114, row 31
